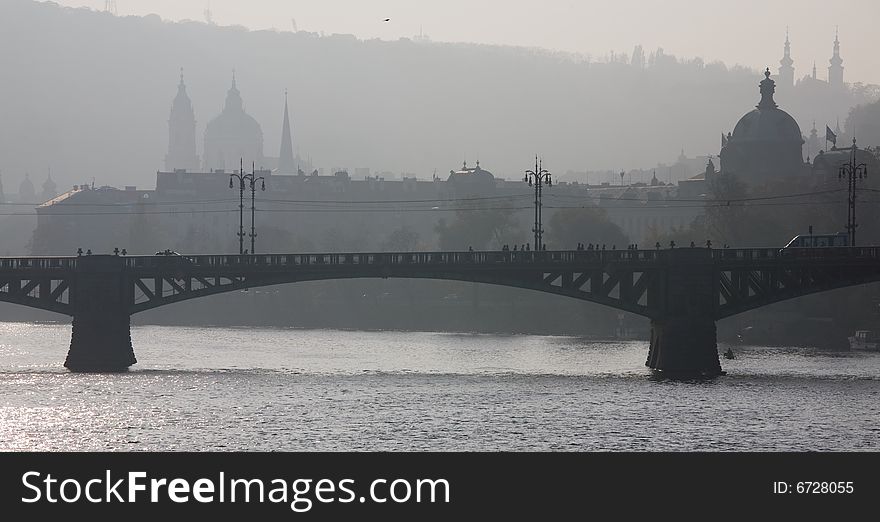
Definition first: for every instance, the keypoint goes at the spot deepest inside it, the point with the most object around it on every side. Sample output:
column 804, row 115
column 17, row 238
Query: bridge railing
column 397, row 258
column 829, row 253
column 42, row 263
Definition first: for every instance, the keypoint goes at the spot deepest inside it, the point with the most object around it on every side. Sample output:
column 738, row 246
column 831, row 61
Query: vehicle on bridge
column 840, row 239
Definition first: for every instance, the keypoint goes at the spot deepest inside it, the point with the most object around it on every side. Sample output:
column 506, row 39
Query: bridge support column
column 683, row 337
column 101, row 338
column 685, row 346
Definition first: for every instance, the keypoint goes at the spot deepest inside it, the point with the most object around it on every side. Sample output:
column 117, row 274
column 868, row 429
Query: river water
column 302, row 390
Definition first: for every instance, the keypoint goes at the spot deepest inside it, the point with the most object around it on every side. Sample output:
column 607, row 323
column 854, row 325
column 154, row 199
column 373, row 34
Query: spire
column 285, row 158
column 50, row 190
column 233, row 97
column 814, row 69
column 786, row 69
column 767, row 88
column 835, row 71
column 182, row 99
column 181, row 132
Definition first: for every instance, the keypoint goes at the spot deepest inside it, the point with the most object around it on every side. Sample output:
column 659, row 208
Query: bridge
column 684, row 291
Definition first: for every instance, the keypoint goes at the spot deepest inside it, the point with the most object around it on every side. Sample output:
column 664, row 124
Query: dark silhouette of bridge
column 684, row 291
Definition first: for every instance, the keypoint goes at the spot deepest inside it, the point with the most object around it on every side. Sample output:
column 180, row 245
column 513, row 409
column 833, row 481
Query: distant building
column 50, row 190
column 826, row 166
column 99, row 219
column 286, row 164
column 835, row 70
column 814, row 146
column 698, row 185
column 26, row 192
column 470, row 181
column 766, row 145
column 786, row 66
column 786, row 77
column 181, row 132
column 233, row 136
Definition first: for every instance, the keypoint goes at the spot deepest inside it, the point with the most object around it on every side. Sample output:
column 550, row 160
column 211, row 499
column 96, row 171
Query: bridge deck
column 753, row 256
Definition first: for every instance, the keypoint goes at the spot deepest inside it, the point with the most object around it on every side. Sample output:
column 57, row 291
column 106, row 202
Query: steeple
column 813, row 144
column 767, row 88
column 786, row 69
column 50, row 190
column 233, row 97
column 26, row 192
column 285, row 158
column 181, row 132
column 835, row 71
column 814, row 69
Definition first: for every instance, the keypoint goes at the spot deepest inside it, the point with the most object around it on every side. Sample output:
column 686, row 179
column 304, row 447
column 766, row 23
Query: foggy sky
column 745, row 32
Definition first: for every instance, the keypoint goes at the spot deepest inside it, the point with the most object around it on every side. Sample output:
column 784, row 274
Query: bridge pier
column 101, row 336
column 684, row 346
column 683, row 337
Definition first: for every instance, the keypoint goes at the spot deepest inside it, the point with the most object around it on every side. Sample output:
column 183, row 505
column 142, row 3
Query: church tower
column 786, row 69
column 50, row 189
column 181, row 133
column 285, row 158
column 835, row 72
column 813, row 143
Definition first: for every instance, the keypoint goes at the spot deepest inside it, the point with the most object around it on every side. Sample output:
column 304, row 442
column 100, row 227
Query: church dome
column 767, row 122
column 233, row 121
column 233, row 135
column 766, row 145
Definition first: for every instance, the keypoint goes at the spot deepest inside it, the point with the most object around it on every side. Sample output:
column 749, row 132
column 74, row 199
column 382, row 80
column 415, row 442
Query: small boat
column 865, row 340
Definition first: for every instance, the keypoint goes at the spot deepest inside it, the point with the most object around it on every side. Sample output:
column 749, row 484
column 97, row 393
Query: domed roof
column 767, row 122
column 233, row 121
column 471, row 174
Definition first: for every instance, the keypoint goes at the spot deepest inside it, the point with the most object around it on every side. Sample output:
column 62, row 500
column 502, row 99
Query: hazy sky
column 746, row 32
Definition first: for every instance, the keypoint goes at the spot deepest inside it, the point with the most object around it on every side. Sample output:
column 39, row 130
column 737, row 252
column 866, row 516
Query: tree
column 401, row 239
column 864, row 123
column 570, row 226
column 479, row 228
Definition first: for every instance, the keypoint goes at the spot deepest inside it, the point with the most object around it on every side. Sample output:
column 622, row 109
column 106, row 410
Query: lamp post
column 253, row 183
column 537, row 178
column 852, row 171
column 245, row 180
column 240, row 176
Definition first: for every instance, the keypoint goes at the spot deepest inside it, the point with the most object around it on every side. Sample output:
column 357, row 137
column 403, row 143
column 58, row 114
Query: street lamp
column 537, row 178
column 254, row 181
column 852, row 172
column 243, row 180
